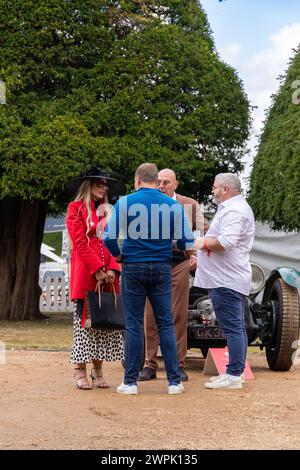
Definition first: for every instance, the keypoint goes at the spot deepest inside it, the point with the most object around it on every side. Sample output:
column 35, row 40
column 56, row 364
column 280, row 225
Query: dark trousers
column 180, row 300
column 139, row 281
column 229, row 308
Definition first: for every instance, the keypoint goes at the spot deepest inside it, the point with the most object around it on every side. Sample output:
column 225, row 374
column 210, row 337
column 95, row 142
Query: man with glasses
column 182, row 264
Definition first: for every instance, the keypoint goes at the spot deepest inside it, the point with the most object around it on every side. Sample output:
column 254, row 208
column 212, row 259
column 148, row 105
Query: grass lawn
column 54, row 332
column 54, row 240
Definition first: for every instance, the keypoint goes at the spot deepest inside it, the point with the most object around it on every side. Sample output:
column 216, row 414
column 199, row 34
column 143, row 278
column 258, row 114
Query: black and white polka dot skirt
column 90, row 344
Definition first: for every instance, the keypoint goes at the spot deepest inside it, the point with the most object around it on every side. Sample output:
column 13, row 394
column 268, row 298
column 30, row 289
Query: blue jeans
column 139, row 281
column 229, row 308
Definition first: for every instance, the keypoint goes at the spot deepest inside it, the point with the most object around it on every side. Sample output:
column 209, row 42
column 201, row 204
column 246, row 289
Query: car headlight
column 258, row 279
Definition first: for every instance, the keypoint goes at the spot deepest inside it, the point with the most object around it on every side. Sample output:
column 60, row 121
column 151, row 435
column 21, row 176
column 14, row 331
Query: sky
column 257, row 38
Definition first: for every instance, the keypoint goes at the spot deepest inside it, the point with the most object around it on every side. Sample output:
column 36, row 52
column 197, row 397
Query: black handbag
column 104, row 310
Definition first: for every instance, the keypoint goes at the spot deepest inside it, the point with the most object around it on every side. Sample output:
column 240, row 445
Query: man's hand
column 208, row 244
column 199, row 243
column 187, row 254
column 193, row 262
column 100, row 275
column 119, row 258
column 110, row 276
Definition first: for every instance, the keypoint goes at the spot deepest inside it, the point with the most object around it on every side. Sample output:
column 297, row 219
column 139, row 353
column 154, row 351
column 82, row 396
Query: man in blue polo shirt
column 148, row 221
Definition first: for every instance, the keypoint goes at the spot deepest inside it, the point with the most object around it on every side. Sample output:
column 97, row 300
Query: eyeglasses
column 101, row 184
column 162, row 182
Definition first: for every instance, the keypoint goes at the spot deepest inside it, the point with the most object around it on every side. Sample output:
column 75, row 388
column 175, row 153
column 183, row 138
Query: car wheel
column 285, row 326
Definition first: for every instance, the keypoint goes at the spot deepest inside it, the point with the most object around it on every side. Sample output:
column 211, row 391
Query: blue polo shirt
column 146, row 222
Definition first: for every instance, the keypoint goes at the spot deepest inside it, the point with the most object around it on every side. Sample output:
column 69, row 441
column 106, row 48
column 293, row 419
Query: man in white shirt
column 224, row 269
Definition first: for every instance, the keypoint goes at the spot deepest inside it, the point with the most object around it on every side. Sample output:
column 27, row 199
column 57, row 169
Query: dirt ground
column 40, row 408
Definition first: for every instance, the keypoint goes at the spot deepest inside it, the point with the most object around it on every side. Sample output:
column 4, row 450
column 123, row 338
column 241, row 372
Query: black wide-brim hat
column 116, row 183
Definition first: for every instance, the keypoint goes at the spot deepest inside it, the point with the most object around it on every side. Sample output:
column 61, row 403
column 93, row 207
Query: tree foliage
column 115, row 83
column 275, row 179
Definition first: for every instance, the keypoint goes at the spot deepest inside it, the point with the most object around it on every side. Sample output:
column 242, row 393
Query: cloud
column 260, row 72
column 230, row 53
column 287, row 38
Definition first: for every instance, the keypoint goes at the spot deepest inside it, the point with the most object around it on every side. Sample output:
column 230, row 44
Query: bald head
column 167, row 182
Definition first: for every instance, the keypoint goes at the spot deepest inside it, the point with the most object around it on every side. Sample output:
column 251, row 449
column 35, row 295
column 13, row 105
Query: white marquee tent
column 275, row 248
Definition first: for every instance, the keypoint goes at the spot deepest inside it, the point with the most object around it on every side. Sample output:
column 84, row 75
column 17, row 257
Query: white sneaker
column 221, row 376
column 175, row 389
column 217, row 377
column 127, row 389
column 225, row 382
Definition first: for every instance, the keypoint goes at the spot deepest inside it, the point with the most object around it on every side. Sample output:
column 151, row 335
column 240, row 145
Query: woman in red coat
column 91, row 262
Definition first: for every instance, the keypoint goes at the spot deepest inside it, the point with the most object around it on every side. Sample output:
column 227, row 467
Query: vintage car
column 271, row 322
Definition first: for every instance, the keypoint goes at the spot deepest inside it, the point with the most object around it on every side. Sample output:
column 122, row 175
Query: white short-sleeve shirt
column 234, row 227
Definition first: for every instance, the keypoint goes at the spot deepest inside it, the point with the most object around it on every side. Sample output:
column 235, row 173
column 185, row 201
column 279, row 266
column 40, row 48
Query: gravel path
column 42, row 409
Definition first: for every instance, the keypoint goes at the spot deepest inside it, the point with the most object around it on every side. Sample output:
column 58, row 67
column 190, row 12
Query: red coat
column 86, row 256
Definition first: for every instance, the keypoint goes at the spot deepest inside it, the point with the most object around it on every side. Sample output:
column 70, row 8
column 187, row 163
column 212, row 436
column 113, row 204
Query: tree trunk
column 21, row 234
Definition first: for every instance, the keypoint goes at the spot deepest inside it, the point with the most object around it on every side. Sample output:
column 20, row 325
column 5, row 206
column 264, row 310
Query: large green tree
column 115, row 83
column 275, row 179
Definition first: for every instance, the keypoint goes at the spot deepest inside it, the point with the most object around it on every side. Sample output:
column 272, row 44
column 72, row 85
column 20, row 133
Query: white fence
column 56, row 295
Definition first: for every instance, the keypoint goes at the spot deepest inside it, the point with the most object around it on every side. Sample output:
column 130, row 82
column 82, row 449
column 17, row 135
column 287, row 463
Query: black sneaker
column 183, row 375
column 147, row 374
